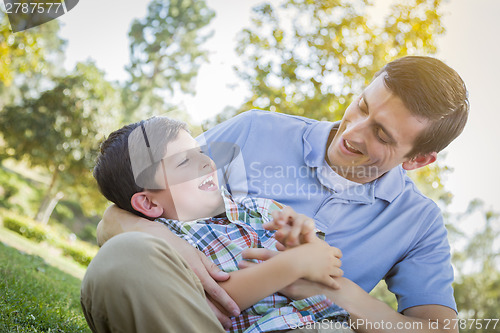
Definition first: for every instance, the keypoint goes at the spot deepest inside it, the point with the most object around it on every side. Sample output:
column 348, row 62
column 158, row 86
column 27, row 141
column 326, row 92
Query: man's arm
column 369, row 315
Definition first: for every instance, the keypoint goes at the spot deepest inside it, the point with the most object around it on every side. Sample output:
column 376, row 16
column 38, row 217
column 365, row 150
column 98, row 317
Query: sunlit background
column 99, row 31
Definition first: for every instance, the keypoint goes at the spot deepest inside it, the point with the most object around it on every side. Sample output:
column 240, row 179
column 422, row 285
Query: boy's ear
column 143, row 203
column 420, row 161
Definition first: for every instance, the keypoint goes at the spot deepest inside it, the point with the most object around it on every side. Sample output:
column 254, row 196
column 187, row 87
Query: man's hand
column 292, row 228
column 209, row 273
column 116, row 220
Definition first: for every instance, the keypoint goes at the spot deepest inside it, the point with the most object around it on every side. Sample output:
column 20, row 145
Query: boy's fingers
column 276, row 223
column 308, row 225
column 332, row 283
column 337, row 272
column 258, row 253
column 336, row 252
column 309, row 237
column 337, row 262
column 288, row 213
column 245, row 264
column 280, row 247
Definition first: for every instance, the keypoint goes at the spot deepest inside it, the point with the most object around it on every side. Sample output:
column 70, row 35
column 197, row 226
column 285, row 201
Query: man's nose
column 357, row 130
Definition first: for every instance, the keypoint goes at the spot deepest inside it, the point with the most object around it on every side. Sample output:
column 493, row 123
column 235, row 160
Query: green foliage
column 17, row 193
column 310, row 58
column 381, row 292
column 35, row 297
column 27, row 60
column 477, row 287
column 431, row 179
column 61, row 130
column 80, row 253
column 57, row 236
column 165, row 55
column 25, row 227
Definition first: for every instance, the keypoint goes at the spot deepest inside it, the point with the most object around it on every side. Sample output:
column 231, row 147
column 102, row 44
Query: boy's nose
column 207, row 163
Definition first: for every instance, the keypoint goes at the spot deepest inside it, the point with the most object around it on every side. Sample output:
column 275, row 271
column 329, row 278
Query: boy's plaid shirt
column 224, row 239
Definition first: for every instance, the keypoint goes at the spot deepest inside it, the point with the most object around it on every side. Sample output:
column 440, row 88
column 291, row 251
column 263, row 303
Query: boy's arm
column 315, row 261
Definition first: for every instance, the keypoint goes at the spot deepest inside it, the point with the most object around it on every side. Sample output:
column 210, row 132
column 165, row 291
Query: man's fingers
column 224, row 320
column 258, row 253
column 213, row 270
column 216, row 292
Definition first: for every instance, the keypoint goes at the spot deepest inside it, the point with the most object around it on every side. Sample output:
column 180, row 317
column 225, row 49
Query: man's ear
column 143, row 203
column 420, row 161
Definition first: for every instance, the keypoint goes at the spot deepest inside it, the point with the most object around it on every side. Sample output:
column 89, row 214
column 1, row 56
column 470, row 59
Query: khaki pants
column 138, row 283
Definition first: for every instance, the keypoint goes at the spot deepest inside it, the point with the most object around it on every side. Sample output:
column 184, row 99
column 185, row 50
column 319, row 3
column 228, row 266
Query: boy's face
column 192, row 190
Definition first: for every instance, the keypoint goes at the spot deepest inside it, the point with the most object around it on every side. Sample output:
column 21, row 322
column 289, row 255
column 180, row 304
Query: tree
column 28, row 60
column 61, row 130
column 165, row 55
column 311, row 57
column 477, row 287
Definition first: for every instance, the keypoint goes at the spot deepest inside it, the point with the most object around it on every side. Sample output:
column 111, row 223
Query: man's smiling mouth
column 351, row 148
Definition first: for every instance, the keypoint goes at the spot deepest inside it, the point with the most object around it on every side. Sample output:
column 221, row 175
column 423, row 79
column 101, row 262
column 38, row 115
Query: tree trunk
column 50, row 207
column 48, row 199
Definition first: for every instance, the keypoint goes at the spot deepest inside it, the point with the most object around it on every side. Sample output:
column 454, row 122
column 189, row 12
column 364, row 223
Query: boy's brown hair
column 129, row 158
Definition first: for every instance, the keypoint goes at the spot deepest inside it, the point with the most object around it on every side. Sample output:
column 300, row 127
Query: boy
column 155, row 169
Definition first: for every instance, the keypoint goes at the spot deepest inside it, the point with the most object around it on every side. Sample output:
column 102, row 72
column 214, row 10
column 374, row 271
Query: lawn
column 37, row 297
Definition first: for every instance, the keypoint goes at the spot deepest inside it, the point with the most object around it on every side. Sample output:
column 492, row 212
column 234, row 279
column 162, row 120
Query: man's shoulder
column 262, row 115
column 414, row 196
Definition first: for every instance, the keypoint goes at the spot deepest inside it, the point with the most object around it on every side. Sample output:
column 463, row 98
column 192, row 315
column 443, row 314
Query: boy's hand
column 318, row 262
column 292, row 228
column 308, row 258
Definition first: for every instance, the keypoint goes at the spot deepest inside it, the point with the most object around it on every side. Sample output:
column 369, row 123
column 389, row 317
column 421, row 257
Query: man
column 350, row 179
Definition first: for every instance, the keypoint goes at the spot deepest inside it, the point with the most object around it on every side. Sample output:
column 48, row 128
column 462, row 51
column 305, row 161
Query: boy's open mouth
column 208, row 184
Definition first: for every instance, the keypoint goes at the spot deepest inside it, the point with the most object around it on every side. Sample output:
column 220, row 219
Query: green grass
column 37, row 297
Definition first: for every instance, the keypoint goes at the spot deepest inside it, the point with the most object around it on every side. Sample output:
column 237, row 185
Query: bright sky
column 98, row 30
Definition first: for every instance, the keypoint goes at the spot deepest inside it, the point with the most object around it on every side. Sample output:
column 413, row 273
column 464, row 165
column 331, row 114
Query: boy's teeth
column 209, row 179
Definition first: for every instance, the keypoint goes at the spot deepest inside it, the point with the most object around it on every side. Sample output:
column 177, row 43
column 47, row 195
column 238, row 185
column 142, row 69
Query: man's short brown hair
column 432, row 90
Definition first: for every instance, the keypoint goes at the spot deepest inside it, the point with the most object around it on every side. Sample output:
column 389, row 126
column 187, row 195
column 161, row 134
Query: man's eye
column 362, row 105
column 380, row 136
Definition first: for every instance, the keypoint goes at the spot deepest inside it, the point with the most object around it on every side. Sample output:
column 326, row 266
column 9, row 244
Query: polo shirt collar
column 386, row 187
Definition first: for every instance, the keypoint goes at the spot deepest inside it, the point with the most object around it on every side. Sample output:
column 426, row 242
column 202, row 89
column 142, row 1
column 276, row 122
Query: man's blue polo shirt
column 385, row 228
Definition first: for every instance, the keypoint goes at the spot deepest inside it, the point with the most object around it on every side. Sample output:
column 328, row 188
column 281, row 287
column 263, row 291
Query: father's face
column 375, row 135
